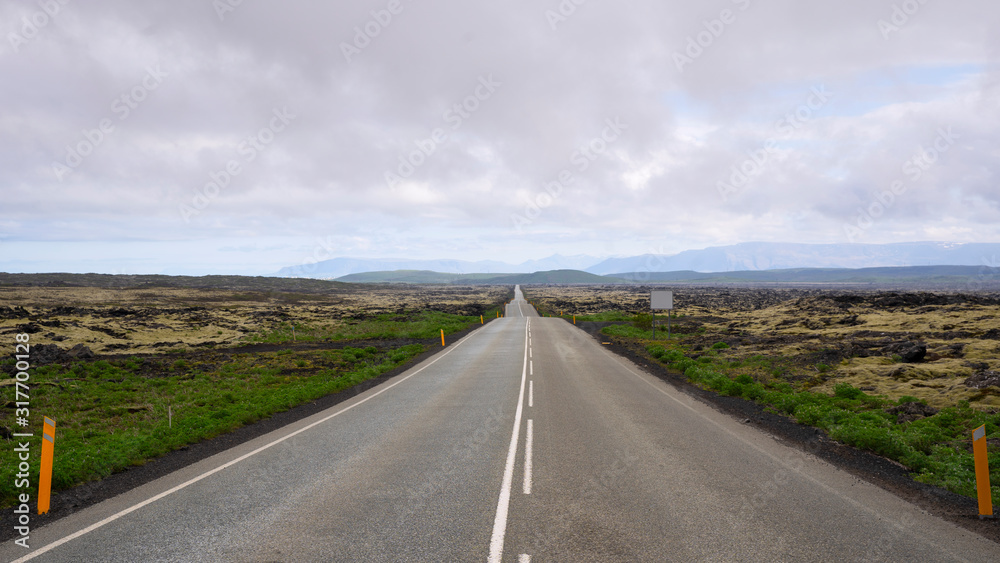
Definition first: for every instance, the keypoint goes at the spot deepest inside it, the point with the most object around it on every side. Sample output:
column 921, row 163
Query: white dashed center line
column 529, row 438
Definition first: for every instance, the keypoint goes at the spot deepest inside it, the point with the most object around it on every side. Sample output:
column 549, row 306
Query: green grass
column 933, row 448
column 641, row 320
column 637, row 332
column 609, row 316
column 112, row 415
column 417, row 325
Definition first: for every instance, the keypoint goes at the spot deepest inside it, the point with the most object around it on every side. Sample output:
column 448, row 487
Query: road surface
column 524, row 441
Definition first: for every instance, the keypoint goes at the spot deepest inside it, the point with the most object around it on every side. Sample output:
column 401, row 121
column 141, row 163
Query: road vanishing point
column 524, row 441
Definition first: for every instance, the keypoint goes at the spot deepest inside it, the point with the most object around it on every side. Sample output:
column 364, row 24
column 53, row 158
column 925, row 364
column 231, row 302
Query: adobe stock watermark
column 988, row 275
column 790, row 465
column 742, row 172
column 225, row 7
column 122, row 107
column 900, row 16
column 462, row 453
column 696, row 44
column 454, row 116
column 366, row 33
column 582, row 159
column 248, row 149
column 584, row 497
column 900, row 532
column 654, row 262
column 322, row 251
column 913, row 169
column 33, row 24
column 565, row 10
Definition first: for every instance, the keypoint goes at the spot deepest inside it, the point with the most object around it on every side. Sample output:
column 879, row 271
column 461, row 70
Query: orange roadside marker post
column 45, row 473
column 574, row 319
column 442, row 337
column 982, row 472
column 481, row 319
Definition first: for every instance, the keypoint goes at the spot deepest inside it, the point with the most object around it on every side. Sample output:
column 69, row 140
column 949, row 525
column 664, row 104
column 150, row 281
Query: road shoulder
column 884, row 473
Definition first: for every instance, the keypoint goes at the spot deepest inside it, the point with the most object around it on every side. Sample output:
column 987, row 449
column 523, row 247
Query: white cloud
column 324, row 175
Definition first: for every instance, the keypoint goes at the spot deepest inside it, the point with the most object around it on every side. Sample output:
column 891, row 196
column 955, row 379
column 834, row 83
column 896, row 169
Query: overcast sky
column 239, row 137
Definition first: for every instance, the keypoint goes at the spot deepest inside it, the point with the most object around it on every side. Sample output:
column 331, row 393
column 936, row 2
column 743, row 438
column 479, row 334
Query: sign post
column 660, row 300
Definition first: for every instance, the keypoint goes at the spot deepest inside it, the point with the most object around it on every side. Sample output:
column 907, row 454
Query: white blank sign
column 661, row 300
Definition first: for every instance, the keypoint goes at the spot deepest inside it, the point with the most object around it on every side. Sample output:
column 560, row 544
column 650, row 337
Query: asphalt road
column 525, row 441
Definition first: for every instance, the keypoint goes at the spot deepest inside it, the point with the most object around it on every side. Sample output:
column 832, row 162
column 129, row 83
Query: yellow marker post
column 982, row 472
column 481, row 319
column 574, row 319
column 45, row 474
column 442, row 337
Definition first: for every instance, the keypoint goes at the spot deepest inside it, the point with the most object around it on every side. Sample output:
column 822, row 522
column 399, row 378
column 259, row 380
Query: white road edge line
column 528, row 440
column 531, row 393
column 209, row 473
column 500, row 522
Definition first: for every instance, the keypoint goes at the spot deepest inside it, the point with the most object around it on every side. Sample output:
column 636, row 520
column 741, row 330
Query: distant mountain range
column 750, row 256
column 773, row 256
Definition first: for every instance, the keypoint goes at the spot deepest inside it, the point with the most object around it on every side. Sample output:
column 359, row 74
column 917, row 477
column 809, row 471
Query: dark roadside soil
column 887, row 474
column 64, row 503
